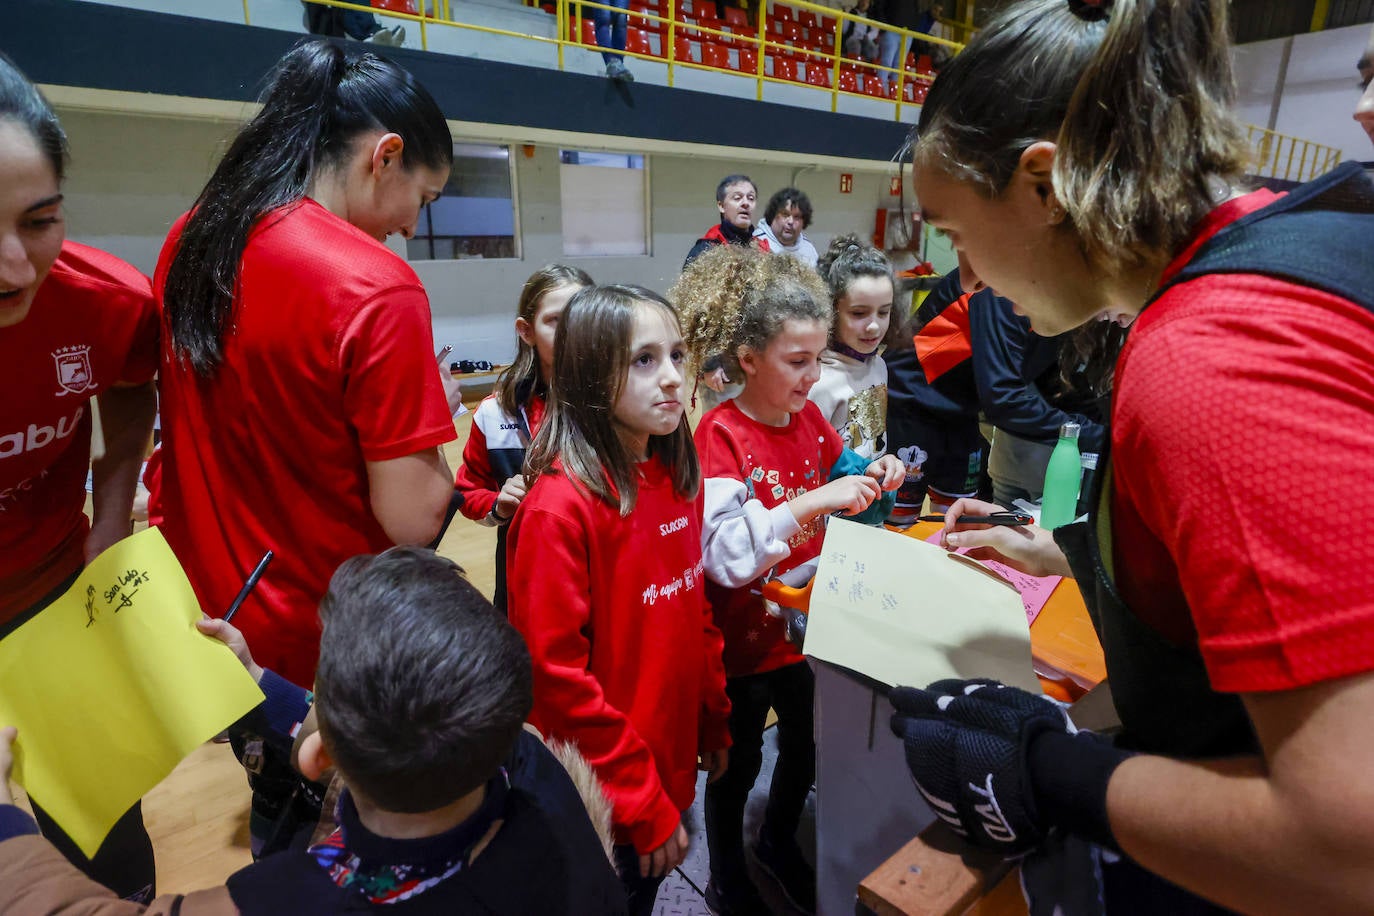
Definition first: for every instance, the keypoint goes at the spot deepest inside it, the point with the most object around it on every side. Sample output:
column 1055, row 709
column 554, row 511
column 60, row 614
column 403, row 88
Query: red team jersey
column 1240, row 402
column 92, row 325
column 627, row 660
column 776, row 463
column 329, row 364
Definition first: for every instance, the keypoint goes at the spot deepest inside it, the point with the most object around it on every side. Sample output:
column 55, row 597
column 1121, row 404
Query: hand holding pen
column 993, row 533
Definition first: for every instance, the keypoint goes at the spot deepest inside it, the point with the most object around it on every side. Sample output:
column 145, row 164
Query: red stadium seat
column 849, row 79
column 784, row 69
column 588, row 32
column 747, row 61
column 807, row 19
column 397, row 6
column 704, row 9
column 636, row 42
column 875, row 85
column 783, row 13
column 682, row 48
column 715, row 55
column 736, row 18
column 818, row 74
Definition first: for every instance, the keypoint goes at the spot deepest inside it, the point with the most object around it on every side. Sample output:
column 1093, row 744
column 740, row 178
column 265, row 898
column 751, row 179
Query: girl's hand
column 666, row 857
column 848, row 495
column 229, row 634
column 1028, row 548
column 714, row 763
column 509, row 499
column 888, row 471
column 7, row 736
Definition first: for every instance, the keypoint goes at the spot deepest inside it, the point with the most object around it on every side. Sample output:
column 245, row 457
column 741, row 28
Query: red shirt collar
column 1219, row 218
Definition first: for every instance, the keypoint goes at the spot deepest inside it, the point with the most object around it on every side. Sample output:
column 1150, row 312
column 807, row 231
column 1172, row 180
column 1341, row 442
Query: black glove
column 1002, row 766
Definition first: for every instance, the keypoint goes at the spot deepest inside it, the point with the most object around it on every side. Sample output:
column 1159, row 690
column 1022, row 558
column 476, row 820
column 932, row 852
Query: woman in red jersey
column 76, row 325
column 300, row 406
column 1084, row 159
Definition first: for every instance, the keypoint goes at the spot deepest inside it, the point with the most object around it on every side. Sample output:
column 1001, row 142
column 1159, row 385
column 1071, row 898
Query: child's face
column 780, row 377
column 650, row 402
column 863, row 314
column 540, row 332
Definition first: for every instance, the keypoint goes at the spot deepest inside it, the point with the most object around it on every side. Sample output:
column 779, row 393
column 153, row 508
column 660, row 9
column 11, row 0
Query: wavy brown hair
column 848, row 258
column 1138, row 96
column 591, row 359
column 734, row 297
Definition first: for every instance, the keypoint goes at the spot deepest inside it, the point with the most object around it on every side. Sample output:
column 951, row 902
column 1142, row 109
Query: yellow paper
column 112, row 685
column 905, row 612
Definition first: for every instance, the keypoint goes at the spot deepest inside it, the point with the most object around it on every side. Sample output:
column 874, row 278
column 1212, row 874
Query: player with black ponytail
column 301, row 408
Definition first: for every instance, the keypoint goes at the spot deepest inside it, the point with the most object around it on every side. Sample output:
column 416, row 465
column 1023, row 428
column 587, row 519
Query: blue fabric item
column 851, row 463
column 611, row 29
column 15, row 821
column 1009, row 361
column 284, row 706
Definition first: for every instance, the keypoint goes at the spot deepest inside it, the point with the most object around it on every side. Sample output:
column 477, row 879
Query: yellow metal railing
column 817, row 62
column 1289, row 158
column 826, row 69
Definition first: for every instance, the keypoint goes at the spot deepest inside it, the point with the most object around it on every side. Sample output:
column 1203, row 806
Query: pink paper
column 1034, row 590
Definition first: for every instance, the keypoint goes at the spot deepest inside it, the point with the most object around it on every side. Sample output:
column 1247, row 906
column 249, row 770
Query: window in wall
column 605, row 203
column 475, row 218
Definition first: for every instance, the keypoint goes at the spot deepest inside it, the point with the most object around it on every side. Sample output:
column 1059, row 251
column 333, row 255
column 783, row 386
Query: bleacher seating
column 717, row 33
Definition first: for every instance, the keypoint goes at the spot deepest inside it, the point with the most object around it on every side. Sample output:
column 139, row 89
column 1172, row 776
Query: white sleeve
column 740, row 539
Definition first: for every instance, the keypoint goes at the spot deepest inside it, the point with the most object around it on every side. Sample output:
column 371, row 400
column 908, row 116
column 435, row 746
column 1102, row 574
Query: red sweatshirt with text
column 627, row 657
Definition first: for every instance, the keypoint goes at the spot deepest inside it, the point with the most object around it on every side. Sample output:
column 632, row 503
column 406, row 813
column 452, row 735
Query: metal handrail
column 568, row 35
column 1274, row 155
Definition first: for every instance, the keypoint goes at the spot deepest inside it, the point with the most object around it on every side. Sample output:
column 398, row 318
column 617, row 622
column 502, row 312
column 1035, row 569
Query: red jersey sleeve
column 475, row 479
column 392, row 393
column 1239, row 398
column 549, row 603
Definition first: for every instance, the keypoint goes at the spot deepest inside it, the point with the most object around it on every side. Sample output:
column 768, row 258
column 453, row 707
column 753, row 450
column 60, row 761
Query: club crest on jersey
column 74, row 369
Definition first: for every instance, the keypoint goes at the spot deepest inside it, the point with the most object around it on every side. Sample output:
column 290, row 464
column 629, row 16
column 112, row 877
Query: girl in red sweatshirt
column 774, row 467
column 491, row 482
column 605, row 576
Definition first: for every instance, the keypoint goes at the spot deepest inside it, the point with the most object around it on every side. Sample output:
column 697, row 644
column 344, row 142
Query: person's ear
column 525, row 331
column 386, row 152
column 1034, row 179
column 312, row 759
column 720, row 205
column 748, row 360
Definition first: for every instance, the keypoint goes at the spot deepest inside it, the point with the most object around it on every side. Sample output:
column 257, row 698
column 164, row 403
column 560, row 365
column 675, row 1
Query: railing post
column 837, row 55
column 560, row 25
column 672, row 39
column 762, row 49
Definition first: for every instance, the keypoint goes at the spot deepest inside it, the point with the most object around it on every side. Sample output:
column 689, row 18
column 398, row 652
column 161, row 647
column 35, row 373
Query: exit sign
column 894, row 185
column 846, row 182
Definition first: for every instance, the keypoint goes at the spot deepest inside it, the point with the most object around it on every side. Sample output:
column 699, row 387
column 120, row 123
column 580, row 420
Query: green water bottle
column 1059, row 505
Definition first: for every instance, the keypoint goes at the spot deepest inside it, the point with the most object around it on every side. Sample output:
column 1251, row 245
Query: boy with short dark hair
column 448, row 804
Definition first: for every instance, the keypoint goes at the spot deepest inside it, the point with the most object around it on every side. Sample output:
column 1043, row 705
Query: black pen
column 252, row 580
column 1001, row 518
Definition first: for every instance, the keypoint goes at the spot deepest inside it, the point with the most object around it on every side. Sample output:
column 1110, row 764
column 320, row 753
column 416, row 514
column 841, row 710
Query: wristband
column 498, row 519
column 1069, row 774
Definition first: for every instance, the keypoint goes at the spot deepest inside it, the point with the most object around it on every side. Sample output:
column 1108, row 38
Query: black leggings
column 790, row 691
column 124, row 861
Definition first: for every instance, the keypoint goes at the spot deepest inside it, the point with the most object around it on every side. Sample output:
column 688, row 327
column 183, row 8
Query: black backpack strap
column 1318, row 235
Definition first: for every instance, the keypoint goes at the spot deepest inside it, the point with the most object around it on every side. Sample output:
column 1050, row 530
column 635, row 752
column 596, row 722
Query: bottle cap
column 1068, row 431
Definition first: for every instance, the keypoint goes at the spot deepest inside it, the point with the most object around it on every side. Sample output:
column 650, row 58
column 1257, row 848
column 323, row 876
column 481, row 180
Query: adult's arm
column 410, row 495
column 1286, row 832
column 126, row 414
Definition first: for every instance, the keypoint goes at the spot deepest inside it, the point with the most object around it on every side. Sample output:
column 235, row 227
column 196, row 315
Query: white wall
column 132, row 175
column 1319, row 91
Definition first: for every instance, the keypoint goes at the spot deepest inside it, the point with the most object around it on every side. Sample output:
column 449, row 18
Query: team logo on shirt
column 74, row 370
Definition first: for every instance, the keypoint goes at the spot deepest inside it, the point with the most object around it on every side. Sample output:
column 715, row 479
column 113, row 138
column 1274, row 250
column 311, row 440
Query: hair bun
column 1091, row 10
